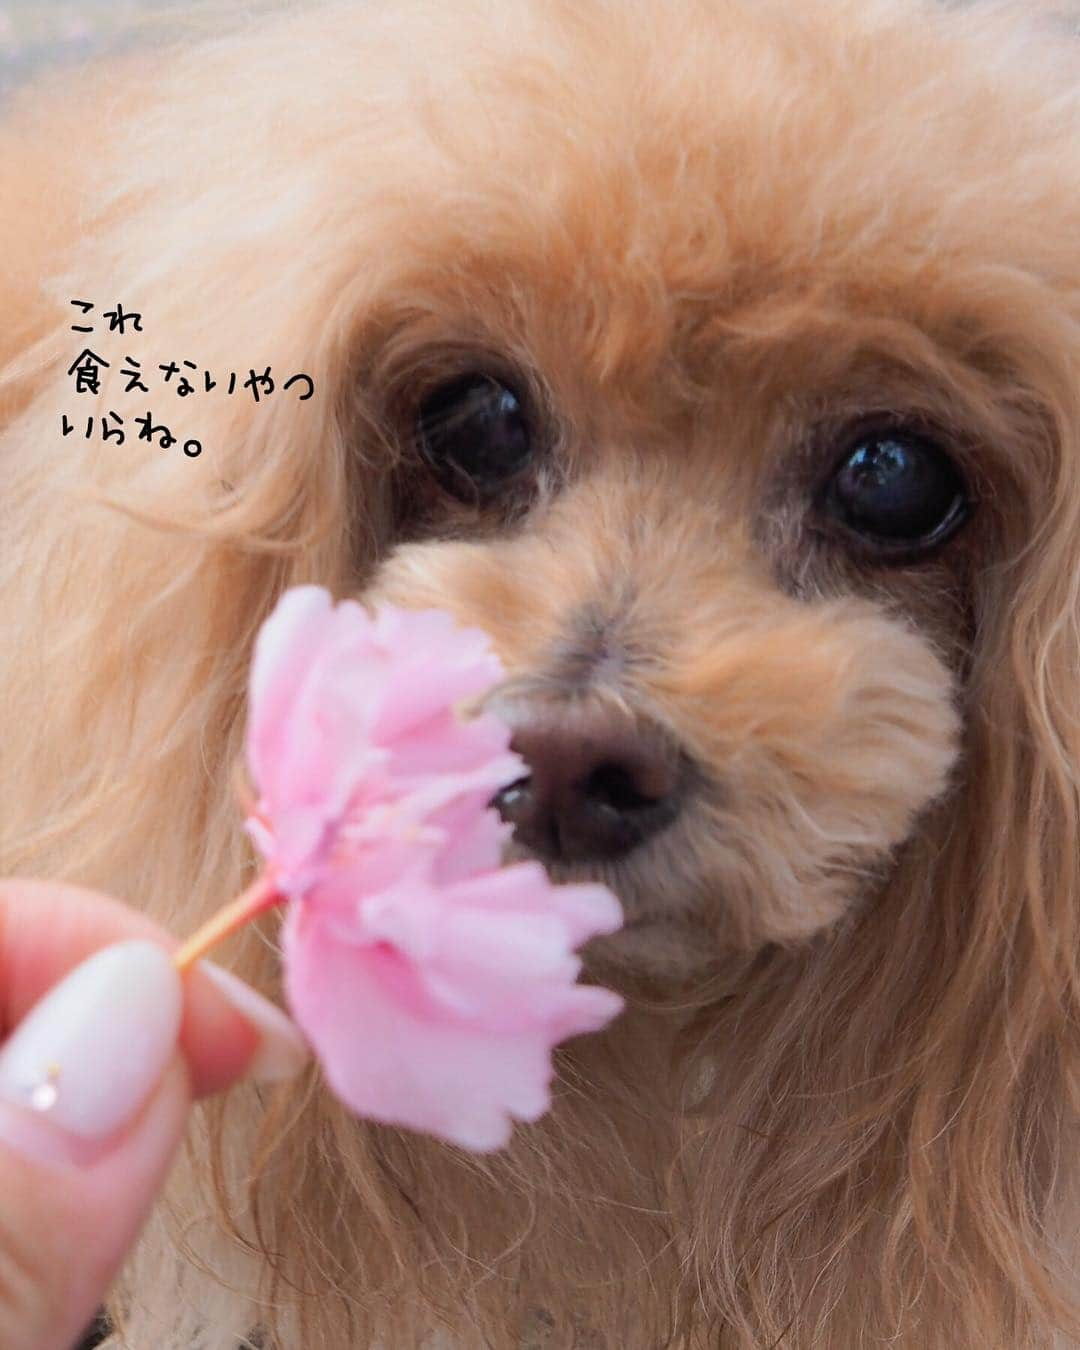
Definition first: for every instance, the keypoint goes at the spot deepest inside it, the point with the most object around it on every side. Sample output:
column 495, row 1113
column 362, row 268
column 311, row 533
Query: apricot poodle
column 722, row 359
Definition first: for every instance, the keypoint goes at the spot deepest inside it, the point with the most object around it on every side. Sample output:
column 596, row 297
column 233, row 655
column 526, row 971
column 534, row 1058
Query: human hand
column 104, row 1050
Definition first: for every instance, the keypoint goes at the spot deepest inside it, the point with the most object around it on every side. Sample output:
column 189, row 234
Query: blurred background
column 39, row 33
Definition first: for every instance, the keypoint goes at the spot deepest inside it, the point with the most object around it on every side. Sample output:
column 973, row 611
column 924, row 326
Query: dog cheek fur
column 848, row 737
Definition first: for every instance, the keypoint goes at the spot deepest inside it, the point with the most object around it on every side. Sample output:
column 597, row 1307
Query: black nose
column 598, row 784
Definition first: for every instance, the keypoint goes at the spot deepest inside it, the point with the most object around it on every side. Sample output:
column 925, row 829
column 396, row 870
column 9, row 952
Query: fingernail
column 282, row 1051
column 88, row 1055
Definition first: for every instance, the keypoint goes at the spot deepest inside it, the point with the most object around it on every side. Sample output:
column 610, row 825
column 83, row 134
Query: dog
column 721, row 359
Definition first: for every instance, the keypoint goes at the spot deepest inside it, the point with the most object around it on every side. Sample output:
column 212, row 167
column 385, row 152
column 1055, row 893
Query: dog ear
column 1007, row 1027
column 137, row 567
column 147, row 568
column 133, row 576
column 922, row 1063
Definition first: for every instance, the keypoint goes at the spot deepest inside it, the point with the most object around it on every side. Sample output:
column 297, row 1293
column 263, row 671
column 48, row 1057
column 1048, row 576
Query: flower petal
column 432, row 984
column 387, row 1062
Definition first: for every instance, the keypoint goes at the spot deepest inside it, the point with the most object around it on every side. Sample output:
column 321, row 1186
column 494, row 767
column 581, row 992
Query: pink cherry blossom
column 431, row 982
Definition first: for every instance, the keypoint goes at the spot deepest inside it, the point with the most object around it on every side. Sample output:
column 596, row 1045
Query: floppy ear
column 992, row 1144
column 893, row 1140
column 1014, row 1001
column 133, row 575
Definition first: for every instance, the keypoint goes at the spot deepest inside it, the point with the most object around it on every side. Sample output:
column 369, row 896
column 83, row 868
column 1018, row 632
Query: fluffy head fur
column 708, row 239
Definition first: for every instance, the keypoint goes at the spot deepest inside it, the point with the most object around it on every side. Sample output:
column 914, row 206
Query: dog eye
column 898, row 491
column 474, row 433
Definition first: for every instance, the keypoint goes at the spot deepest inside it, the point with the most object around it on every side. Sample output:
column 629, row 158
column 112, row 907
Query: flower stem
column 261, row 895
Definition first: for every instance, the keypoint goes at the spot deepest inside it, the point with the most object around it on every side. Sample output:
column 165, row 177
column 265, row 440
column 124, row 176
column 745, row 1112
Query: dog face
column 735, row 760
column 718, row 456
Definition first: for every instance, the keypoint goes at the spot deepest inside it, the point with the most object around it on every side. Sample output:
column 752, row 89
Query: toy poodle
column 721, row 358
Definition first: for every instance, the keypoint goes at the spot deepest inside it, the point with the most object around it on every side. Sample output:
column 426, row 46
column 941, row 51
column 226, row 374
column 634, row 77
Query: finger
column 46, row 929
column 94, row 1098
column 65, row 1229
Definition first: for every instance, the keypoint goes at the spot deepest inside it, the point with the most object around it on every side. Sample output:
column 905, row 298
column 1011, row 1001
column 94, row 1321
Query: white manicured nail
column 88, row 1055
column 282, row 1051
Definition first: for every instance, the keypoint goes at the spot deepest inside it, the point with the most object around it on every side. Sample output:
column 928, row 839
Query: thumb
column 94, row 1099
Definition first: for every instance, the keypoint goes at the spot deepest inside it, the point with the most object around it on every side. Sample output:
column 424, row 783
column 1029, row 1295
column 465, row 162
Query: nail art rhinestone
column 43, row 1096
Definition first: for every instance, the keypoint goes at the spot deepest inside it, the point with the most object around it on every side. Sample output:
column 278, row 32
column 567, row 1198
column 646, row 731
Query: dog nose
column 598, row 784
